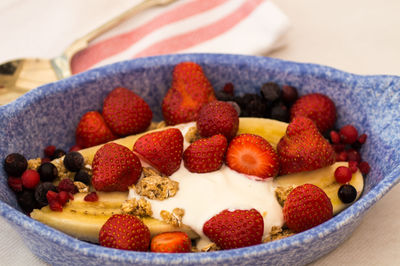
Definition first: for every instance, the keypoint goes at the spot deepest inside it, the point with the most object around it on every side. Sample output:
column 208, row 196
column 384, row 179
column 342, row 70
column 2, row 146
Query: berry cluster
column 273, row 102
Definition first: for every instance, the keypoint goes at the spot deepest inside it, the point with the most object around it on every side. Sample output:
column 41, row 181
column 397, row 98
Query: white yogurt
column 204, row 195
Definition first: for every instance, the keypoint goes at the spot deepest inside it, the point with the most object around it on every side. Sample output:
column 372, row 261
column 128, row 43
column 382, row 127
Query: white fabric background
column 359, row 36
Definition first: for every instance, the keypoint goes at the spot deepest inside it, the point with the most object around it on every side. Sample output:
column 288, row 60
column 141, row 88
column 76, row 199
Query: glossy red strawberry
column 161, row 149
column 115, row 168
column 235, row 229
column 303, row 148
column 171, row 242
column 206, row 155
column 218, row 117
column 189, row 91
column 318, row 107
column 92, row 130
column 124, row 231
column 305, row 207
column 252, row 155
column 125, row 112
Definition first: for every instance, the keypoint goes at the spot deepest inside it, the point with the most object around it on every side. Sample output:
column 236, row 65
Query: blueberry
column 15, row 164
column 82, row 176
column 270, row 91
column 47, row 172
column 289, row 94
column 26, row 200
column 73, row 161
column 58, row 153
column 347, row 193
column 280, row 112
column 41, row 191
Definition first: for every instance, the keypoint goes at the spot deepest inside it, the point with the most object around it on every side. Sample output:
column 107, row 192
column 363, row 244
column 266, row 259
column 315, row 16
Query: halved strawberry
column 125, row 112
column 235, row 229
column 161, row 149
column 171, row 242
column 124, row 231
column 252, row 155
column 115, row 168
column 189, row 91
column 205, row 155
column 92, row 130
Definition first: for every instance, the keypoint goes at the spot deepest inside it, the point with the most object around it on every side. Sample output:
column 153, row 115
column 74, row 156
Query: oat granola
column 34, row 164
column 192, row 135
column 136, row 207
column 281, row 194
column 277, row 233
column 156, row 187
column 174, row 218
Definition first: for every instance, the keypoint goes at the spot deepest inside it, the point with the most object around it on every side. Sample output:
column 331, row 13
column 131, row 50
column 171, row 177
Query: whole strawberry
column 161, row 149
column 126, row 113
column 92, row 130
column 303, row 148
column 318, row 107
column 171, row 242
column 205, row 155
column 252, row 155
column 189, row 91
column 124, row 231
column 235, row 229
column 305, row 207
column 115, row 168
column 218, row 117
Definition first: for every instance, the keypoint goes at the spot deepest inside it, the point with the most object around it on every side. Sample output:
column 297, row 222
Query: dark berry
column 30, row 179
column 339, row 147
column 41, row 191
column 67, row 185
column 289, row 94
column 75, row 148
column 45, row 160
column 15, row 164
column 347, row 193
column 58, row 153
column 26, row 200
column 47, row 172
column 228, row 88
column 82, row 176
column 270, row 91
column 223, row 96
column 49, row 151
column 73, row 161
column 348, row 134
column 92, row 197
column 280, row 112
column 15, row 183
column 253, row 105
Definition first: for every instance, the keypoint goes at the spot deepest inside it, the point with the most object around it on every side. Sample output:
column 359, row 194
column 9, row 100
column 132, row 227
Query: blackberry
column 270, row 91
column 82, row 176
column 280, row 112
column 252, row 105
column 58, row 153
column 41, row 191
column 47, row 172
column 73, row 161
column 15, row 164
column 289, row 94
column 26, row 199
column 347, row 193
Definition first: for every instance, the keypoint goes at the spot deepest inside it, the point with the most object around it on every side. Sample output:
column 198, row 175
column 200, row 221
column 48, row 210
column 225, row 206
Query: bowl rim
column 13, row 216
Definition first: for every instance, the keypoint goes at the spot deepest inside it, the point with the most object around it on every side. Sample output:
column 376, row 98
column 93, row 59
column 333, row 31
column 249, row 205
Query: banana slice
column 83, row 219
column 323, row 178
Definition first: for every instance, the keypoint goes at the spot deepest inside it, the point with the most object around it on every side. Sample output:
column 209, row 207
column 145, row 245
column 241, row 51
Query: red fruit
column 228, row 88
column 92, row 130
column 362, row 138
column 92, row 197
column 335, row 137
column 75, row 148
column 51, row 196
column 171, row 242
column 45, row 160
column 49, row 151
column 67, row 185
column 353, row 166
column 15, row 183
column 126, row 113
column 53, row 200
column 318, row 107
column 205, row 155
column 305, row 207
column 124, row 231
column 235, row 229
column 218, row 117
column 189, row 91
column 63, row 197
column 353, row 155
column 115, row 168
column 252, row 155
column 303, row 148
column 348, row 134
column 30, row 179
column 341, row 156
column 55, row 206
column 161, row 149
column 343, row 174
column 364, row 167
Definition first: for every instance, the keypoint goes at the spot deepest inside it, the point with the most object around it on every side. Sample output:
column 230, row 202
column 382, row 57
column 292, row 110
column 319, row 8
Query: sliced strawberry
column 125, row 112
column 205, row 155
column 235, row 229
column 124, row 231
column 305, row 207
column 171, row 242
column 252, row 155
column 161, row 149
column 189, row 91
column 115, row 168
column 92, row 130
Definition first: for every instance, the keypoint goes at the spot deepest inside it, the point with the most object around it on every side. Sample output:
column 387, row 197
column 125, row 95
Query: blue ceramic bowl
column 49, row 115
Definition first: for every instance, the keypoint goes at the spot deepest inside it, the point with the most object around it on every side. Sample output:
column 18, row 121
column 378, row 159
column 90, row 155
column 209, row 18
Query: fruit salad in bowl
column 197, row 159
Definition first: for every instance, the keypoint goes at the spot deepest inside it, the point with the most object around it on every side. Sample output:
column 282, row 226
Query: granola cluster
column 136, row 207
column 277, row 233
column 281, row 194
column 156, row 187
column 192, row 135
column 174, row 218
column 34, row 164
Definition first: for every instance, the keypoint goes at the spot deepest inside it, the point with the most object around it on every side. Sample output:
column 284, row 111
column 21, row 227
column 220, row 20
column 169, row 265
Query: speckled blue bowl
column 49, row 115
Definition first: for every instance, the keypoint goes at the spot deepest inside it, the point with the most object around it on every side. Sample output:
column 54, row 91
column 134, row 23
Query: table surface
column 359, row 36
